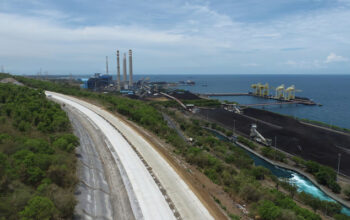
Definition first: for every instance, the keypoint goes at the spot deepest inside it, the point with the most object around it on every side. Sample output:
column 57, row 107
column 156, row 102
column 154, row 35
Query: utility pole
column 234, row 126
column 106, row 65
column 2, row 69
column 339, row 155
column 275, row 148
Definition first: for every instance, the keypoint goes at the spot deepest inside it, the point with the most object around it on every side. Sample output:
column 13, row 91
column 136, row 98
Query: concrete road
column 155, row 190
column 101, row 193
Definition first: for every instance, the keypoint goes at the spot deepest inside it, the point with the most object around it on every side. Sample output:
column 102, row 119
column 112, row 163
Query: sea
column 332, row 91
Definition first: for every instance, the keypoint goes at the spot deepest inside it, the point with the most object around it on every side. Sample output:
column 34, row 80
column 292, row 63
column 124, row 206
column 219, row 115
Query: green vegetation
column 324, row 175
column 347, row 192
column 328, row 208
column 203, row 102
column 37, row 163
column 246, row 142
column 228, row 165
column 273, row 154
column 196, row 102
column 222, row 162
column 322, row 124
column 341, row 217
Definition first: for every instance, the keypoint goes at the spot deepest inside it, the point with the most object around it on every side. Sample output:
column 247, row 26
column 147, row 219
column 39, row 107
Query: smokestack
column 107, row 65
column 130, row 68
column 118, row 71
column 124, row 71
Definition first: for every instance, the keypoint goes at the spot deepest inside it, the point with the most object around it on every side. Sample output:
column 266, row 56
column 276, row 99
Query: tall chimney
column 118, row 71
column 130, row 68
column 107, row 65
column 124, row 72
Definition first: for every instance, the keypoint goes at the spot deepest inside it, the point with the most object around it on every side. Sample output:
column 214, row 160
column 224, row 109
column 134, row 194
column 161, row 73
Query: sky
column 176, row 36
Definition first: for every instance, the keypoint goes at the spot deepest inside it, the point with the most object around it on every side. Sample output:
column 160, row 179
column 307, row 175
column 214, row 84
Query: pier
column 225, row 94
column 279, row 101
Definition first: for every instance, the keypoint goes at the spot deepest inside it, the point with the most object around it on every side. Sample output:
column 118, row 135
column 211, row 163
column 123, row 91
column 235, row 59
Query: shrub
column 273, row 154
column 260, row 172
column 298, row 160
column 334, row 186
column 347, row 191
column 250, row 193
column 246, row 142
column 312, row 167
column 341, row 217
column 38, row 146
column 330, row 208
column 66, row 142
column 212, row 175
column 268, row 211
column 39, row 208
column 291, row 188
column 58, row 175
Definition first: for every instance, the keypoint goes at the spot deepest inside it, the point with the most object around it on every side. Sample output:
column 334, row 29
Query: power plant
column 105, row 82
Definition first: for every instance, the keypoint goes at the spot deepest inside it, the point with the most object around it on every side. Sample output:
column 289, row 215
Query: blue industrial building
column 99, row 81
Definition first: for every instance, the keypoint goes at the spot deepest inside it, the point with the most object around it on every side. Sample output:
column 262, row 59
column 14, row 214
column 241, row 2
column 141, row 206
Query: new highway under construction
column 122, row 175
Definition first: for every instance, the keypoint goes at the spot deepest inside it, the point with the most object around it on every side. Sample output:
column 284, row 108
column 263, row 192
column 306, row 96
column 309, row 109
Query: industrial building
column 98, row 81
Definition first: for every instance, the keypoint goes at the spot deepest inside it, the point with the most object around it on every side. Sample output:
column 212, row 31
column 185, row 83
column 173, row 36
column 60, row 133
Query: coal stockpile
column 309, row 142
column 184, row 95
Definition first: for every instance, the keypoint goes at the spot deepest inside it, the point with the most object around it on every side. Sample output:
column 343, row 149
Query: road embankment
column 159, row 194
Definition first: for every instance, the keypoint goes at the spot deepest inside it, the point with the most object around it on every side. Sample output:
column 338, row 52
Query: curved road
column 154, row 189
column 100, row 193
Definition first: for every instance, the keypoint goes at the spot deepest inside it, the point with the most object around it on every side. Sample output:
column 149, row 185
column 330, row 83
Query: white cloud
column 306, row 64
column 332, row 57
column 198, row 36
column 250, row 64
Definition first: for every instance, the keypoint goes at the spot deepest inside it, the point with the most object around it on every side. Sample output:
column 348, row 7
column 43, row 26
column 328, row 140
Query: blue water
column 330, row 90
column 301, row 182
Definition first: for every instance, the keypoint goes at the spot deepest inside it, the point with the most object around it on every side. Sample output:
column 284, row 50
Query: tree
column 39, row 208
column 268, row 211
column 58, row 174
column 60, row 143
column 259, row 172
column 312, row 167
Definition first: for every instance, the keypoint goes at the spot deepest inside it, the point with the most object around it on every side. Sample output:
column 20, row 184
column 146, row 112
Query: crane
column 280, row 92
column 265, row 90
column 260, row 89
column 290, row 92
column 255, row 87
column 256, row 136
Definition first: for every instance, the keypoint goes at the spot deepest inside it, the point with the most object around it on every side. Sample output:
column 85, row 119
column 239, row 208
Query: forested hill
column 37, row 161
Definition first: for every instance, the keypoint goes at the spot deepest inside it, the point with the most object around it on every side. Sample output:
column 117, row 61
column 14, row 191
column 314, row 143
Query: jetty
column 280, row 101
